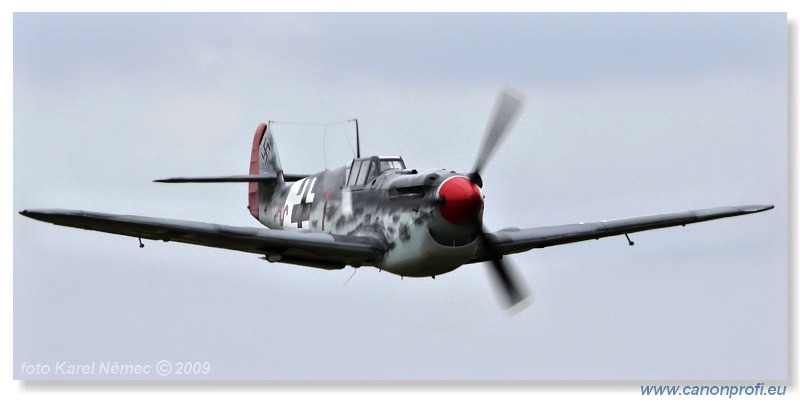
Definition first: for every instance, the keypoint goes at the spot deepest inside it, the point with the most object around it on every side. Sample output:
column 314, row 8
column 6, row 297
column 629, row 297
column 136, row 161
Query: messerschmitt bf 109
column 375, row 211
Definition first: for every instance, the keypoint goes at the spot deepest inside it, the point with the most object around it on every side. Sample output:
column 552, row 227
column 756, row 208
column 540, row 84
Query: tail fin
column 264, row 161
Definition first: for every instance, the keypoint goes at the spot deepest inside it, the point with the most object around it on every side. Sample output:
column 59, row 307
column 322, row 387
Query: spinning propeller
column 506, row 111
column 460, row 198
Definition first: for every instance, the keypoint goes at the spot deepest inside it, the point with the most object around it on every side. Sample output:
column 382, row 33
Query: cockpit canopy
column 360, row 171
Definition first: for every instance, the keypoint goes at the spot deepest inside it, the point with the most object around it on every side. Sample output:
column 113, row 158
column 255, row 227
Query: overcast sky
column 627, row 114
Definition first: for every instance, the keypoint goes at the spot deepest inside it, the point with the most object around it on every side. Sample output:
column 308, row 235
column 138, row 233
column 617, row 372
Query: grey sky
column 627, row 114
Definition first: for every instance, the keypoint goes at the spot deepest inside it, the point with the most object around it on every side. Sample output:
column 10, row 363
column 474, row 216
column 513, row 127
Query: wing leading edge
column 318, row 250
column 514, row 240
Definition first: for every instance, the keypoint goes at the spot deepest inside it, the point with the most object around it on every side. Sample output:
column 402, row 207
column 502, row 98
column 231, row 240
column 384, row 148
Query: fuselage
column 426, row 218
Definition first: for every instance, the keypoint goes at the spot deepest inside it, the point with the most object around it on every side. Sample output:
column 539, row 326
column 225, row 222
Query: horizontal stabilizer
column 262, row 178
column 244, row 178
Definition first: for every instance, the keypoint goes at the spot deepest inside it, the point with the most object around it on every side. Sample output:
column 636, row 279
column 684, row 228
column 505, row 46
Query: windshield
column 386, row 164
column 361, row 171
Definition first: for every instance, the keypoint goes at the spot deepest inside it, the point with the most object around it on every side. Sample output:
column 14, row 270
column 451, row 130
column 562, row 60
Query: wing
column 318, row 250
column 514, row 240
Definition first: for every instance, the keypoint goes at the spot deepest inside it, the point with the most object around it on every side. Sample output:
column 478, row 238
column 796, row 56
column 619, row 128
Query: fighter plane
column 375, row 211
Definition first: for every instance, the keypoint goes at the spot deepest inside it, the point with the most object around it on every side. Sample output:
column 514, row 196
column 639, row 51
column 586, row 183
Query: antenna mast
column 358, row 143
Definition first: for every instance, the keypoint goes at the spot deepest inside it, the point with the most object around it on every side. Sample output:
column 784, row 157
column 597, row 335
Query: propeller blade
column 505, row 114
column 506, row 111
column 504, row 274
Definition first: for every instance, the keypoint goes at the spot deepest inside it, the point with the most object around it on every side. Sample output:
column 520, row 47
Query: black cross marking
column 302, row 212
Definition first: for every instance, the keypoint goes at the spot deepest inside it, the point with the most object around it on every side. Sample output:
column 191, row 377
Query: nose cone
column 463, row 200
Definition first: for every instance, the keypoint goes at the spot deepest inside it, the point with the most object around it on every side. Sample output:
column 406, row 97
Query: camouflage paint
column 398, row 207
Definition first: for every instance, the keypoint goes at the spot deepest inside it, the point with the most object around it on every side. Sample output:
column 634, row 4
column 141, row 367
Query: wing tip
column 49, row 215
column 34, row 214
column 751, row 209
